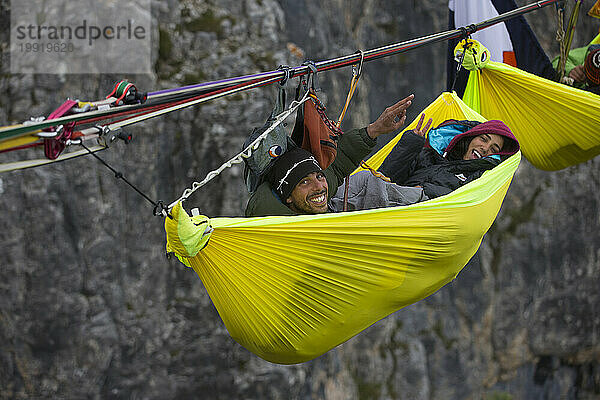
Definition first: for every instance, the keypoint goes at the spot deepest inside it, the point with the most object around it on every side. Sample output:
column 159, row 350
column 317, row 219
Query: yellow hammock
column 557, row 125
column 290, row 288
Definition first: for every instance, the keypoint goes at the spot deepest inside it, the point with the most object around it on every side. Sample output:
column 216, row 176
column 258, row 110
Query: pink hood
column 511, row 144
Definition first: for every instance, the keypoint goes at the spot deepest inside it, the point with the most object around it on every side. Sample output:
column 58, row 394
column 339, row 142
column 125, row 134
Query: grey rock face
column 91, row 308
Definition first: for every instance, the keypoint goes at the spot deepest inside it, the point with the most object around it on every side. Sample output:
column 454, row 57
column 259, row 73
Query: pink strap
column 62, row 109
column 54, row 146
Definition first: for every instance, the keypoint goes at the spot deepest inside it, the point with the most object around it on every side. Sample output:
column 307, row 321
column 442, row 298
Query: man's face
column 310, row 195
column 484, row 145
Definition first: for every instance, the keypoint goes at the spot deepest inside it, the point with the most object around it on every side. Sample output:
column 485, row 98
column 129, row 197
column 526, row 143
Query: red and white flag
column 511, row 42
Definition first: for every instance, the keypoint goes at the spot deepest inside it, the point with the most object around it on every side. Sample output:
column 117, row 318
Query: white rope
column 245, row 153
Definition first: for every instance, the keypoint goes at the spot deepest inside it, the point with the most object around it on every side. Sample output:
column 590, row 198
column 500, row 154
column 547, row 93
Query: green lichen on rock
column 165, row 45
column 166, row 64
column 264, row 60
column 208, row 21
column 438, row 329
column 495, row 395
column 193, row 78
column 368, row 390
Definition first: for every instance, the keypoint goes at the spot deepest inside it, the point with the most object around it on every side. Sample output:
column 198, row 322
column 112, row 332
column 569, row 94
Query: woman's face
column 484, row 145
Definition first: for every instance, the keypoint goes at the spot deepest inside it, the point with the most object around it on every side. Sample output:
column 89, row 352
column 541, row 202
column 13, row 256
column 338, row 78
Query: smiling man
column 300, row 182
column 296, row 183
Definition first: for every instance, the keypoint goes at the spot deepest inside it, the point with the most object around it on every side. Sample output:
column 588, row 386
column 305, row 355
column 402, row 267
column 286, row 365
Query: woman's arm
column 402, row 160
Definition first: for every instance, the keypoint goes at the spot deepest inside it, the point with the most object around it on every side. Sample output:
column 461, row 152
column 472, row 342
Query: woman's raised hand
column 418, row 130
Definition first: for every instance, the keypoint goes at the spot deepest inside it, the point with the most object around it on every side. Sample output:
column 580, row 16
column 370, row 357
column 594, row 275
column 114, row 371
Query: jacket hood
column 511, row 144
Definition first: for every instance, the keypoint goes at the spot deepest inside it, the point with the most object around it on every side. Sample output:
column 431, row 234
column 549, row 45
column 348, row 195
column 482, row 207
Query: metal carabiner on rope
column 287, row 74
column 160, row 209
column 357, row 69
column 356, row 72
column 468, row 43
column 312, row 82
column 467, row 31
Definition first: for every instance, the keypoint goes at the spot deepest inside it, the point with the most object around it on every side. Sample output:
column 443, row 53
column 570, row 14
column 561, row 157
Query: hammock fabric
column 556, row 125
column 291, row 288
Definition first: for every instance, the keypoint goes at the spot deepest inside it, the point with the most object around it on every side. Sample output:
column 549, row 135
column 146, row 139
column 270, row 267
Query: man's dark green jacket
column 353, row 146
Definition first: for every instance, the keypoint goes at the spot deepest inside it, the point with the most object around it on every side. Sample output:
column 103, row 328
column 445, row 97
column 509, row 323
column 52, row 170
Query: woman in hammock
column 420, row 168
column 454, row 153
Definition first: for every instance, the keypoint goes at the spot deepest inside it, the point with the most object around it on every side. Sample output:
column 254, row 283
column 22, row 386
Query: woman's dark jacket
column 415, row 161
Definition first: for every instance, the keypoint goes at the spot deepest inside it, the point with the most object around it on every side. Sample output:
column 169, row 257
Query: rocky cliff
column 91, row 308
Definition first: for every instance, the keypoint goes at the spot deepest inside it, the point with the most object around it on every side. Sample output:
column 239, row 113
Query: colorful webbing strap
column 120, row 89
column 356, row 72
column 374, row 172
column 126, row 93
column 53, row 147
